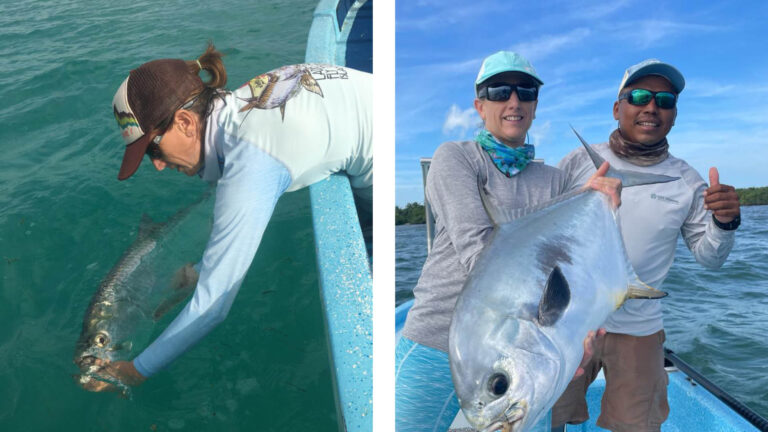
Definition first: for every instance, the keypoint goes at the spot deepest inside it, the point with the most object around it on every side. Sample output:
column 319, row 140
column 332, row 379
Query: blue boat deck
column 691, row 407
column 695, row 403
column 341, row 34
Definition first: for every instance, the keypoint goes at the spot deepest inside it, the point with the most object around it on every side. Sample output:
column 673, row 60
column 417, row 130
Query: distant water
column 715, row 320
column 65, row 220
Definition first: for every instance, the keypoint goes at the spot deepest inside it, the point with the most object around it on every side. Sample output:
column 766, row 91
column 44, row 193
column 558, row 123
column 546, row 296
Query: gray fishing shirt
column 652, row 218
column 463, row 228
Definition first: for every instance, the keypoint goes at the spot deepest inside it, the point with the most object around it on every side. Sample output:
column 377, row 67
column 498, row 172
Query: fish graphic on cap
column 274, row 89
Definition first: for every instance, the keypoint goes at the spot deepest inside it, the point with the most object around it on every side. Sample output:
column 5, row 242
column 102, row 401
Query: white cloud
column 431, row 15
column 739, row 154
column 435, row 67
column 698, row 87
column 545, row 46
column 647, row 33
column 460, row 120
column 599, row 10
column 568, row 100
column 539, row 132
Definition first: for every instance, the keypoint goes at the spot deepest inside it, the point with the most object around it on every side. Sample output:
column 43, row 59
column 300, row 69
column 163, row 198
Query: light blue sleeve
column 245, row 198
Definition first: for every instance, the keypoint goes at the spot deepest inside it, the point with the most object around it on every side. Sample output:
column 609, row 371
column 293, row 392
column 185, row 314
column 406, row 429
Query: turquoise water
column 65, row 220
column 715, row 320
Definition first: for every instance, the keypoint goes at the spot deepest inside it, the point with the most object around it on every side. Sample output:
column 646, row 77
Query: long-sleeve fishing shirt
column 281, row 131
column 651, row 218
column 463, row 228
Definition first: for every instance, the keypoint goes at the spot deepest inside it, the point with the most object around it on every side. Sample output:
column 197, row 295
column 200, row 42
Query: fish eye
column 498, row 384
column 101, row 339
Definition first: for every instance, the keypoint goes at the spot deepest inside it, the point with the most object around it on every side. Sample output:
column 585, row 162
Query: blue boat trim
column 342, row 39
column 744, row 411
column 344, row 269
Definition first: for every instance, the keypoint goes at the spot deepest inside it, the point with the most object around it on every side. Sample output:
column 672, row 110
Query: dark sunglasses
column 502, row 92
column 153, row 150
column 642, row 97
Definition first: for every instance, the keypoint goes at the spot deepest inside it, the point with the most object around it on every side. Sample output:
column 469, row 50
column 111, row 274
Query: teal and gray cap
column 653, row 67
column 505, row 61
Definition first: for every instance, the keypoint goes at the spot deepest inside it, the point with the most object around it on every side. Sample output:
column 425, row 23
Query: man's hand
column 607, row 185
column 721, row 199
column 592, row 339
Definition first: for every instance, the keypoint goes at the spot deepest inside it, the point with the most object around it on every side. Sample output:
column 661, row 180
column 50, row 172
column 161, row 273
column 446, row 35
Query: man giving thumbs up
column 652, row 218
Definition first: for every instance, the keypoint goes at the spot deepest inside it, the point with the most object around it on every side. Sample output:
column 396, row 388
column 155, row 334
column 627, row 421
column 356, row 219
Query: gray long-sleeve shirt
column 652, row 217
column 462, row 228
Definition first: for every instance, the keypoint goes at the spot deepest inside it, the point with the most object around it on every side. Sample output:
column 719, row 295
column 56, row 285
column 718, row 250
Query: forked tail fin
column 628, row 178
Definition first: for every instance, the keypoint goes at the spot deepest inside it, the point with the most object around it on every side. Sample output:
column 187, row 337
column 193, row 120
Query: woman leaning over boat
column 281, row 131
column 502, row 162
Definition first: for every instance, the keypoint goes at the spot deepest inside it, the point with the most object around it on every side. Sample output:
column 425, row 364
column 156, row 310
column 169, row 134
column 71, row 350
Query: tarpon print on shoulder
column 273, row 89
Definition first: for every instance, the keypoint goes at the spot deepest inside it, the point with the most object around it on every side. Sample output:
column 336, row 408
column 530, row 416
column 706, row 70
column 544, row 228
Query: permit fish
column 130, row 298
column 274, row 89
column 549, row 275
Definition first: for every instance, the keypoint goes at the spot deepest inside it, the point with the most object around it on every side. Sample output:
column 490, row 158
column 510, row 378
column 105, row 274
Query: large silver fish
column 544, row 281
column 130, row 298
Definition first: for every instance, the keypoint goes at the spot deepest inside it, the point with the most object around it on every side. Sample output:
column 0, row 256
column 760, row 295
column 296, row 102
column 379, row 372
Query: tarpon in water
column 129, row 297
column 545, row 280
column 274, row 89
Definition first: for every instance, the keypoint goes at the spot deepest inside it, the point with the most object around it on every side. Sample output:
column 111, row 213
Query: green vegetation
column 413, row 213
column 753, row 196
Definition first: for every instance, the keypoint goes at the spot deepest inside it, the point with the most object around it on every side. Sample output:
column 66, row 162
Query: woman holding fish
column 501, row 162
column 281, row 131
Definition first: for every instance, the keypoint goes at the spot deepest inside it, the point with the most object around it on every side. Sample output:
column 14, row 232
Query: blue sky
column 580, row 50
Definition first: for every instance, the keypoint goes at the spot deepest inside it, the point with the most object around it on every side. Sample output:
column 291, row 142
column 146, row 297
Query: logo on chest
column 658, row 197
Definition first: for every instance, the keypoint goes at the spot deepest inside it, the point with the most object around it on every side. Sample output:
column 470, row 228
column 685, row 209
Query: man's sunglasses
column 642, row 97
column 502, row 92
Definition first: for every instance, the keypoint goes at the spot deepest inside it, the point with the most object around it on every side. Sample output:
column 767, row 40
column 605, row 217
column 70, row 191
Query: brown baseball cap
column 151, row 93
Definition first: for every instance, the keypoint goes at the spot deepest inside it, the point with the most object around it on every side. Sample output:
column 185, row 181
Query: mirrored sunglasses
column 642, row 97
column 502, row 92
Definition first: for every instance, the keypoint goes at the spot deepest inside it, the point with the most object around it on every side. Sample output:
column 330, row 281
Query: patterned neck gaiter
column 509, row 160
column 636, row 153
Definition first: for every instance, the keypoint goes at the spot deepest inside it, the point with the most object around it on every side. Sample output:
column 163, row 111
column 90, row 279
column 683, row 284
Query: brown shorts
column 635, row 397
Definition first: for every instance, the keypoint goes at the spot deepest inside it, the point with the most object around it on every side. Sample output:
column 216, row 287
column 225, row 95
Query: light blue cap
column 505, row 61
column 653, row 67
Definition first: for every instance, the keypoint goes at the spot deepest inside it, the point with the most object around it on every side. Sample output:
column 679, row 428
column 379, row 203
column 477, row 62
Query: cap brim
column 488, row 78
column 134, row 153
column 668, row 72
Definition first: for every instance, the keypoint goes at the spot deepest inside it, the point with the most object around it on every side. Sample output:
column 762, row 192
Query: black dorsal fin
column 554, row 299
